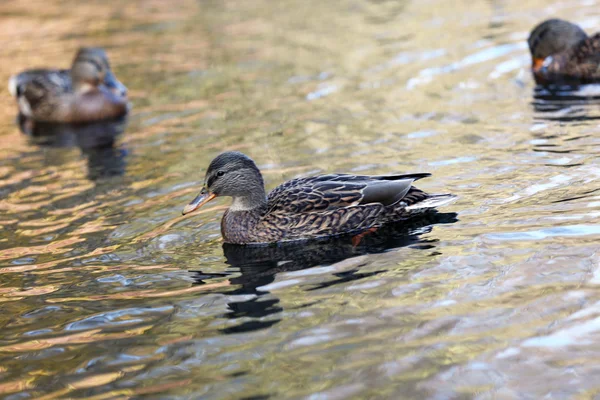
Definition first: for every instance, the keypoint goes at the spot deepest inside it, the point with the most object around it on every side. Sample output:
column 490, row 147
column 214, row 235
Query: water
column 108, row 292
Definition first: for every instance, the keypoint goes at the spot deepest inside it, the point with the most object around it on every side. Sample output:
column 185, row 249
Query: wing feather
column 334, row 191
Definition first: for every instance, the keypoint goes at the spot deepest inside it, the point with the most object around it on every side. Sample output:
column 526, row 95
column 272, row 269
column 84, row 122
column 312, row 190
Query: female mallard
column 305, row 208
column 562, row 53
column 87, row 92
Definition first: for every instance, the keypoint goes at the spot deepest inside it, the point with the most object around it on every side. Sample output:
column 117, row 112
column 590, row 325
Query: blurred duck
column 307, row 208
column 87, row 92
column 562, row 53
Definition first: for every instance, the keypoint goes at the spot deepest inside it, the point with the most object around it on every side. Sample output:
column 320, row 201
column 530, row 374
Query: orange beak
column 204, row 197
column 538, row 63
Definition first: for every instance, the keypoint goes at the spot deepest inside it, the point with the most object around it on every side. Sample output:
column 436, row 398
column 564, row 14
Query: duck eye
column 220, row 173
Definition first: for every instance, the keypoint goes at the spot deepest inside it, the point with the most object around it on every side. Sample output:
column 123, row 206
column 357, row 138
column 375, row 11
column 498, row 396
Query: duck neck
column 240, row 220
column 255, row 201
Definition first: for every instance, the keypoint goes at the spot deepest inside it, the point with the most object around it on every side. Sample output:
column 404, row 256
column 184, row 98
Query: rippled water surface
column 108, row 292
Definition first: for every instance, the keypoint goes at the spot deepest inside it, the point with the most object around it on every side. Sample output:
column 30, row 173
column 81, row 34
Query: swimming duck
column 87, row 92
column 562, row 53
column 307, row 208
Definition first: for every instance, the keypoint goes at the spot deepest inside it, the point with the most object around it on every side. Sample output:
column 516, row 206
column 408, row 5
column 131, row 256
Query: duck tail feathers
column 395, row 177
column 432, row 202
column 13, row 85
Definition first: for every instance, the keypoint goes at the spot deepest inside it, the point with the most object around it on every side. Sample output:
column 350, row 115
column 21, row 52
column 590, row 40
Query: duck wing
column 334, row 191
column 587, row 57
column 578, row 65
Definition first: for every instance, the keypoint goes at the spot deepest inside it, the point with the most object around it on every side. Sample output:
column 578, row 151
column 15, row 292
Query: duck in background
column 562, row 53
column 309, row 208
column 87, row 92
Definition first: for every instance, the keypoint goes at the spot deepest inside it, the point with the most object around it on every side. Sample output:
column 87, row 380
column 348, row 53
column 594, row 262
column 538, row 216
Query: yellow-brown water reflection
column 97, row 294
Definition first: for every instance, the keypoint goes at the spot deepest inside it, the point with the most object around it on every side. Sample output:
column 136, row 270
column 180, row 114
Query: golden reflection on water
column 98, row 298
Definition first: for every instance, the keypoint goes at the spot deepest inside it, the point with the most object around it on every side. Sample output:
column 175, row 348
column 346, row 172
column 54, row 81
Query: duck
column 87, row 92
column 562, row 53
column 309, row 207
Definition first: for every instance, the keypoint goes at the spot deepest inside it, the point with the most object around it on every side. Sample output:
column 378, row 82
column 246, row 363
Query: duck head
column 552, row 37
column 235, row 175
column 91, row 69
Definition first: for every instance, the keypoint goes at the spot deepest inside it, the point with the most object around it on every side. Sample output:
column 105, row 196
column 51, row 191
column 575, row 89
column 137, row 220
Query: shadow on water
column 258, row 265
column 95, row 140
column 567, row 103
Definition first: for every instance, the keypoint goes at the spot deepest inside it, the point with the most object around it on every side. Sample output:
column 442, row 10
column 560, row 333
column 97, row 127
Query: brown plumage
column 312, row 207
column 87, row 92
column 562, row 53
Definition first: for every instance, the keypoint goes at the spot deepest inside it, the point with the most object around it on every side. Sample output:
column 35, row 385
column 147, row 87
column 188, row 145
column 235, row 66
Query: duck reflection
column 258, row 265
column 96, row 141
column 567, row 103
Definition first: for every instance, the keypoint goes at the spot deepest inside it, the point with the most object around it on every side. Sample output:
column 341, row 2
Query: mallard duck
column 87, row 92
column 562, row 53
column 308, row 208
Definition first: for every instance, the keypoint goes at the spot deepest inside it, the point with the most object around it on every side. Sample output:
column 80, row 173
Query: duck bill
column 204, row 197
column 537, row 64
column 113, row 84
